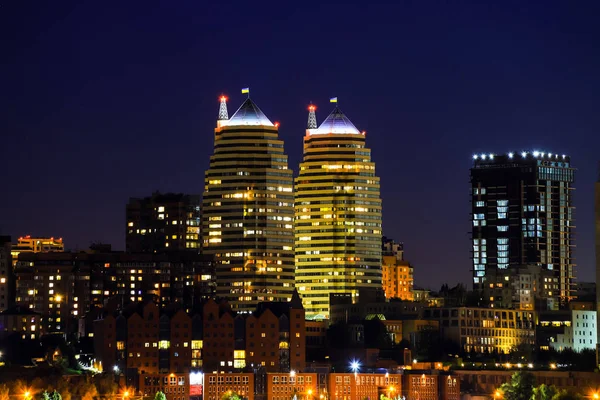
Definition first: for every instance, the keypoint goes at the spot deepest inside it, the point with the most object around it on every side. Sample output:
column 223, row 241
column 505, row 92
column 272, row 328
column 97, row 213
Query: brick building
column 285, row 386
column 216, row 385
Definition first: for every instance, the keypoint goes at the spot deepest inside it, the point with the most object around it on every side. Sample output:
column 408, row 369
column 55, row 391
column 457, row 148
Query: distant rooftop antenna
column 312, row 117
column 223, row 115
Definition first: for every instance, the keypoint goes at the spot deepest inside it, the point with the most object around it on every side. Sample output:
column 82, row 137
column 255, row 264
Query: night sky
column 101, row 101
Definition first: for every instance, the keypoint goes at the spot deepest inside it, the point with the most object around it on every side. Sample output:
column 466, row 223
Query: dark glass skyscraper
column 522, row 216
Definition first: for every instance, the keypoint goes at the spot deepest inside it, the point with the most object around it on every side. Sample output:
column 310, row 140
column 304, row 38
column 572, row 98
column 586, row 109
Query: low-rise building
column 218, row 384
column 581, row 334
column 359, row 386
column 174, row 386
column 286, row 386
column 482, row 330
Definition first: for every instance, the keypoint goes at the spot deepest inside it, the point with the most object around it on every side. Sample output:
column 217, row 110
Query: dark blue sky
column 101, row 101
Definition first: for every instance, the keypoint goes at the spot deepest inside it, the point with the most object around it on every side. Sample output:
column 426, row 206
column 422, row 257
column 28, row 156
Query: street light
column 355, row 366
column 309, row 394
column 125, row 394
column 497, row 394
column 391, row 391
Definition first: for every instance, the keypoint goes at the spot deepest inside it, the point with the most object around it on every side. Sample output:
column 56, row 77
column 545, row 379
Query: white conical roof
column 336, row 122
column 248, row 114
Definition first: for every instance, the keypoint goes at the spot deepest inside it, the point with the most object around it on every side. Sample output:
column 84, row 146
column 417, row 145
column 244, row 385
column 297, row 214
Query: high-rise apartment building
column 248, row 211
column 163, row 222
column 522, row 215
column 338, row 215
column 63, row 287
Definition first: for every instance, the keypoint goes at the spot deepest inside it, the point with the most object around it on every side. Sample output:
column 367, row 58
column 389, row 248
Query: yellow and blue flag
column 333, row 100
column 245, row 90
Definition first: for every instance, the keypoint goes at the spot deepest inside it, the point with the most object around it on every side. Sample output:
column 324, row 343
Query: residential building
column 285, row 386
column 550, row 324
column 152, row 348
column 397, row 274
column 581, row 334
column 392, row 310
column 528, row 288
column 63, row 287
column 144, row 339
column 522, row 214
column 163, row 222
column 174, row 386
column 359, row 386
column 21, row 321
column 29, row 244
column 247, row 210
column 484, row 382
column 6, row 274
column 338, row 215
column 216, row 385
column 481, row 330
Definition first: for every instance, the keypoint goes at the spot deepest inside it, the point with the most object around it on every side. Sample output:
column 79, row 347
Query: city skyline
column 524, row 81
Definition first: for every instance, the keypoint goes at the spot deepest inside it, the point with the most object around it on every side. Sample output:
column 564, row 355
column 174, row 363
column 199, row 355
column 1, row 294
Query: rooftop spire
column 223, row 115
column 312, row 117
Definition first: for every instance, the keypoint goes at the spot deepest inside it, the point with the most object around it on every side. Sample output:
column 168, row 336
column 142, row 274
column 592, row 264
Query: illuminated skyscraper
column 248, row 211
column 338, row 215
column 522, row 216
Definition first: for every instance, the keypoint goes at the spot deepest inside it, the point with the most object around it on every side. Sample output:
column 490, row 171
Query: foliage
column 544, row 392
column 567, row 395
column 376, row 334
column 160, row 396
column 338, row 336
column 4, row 392
column 520, row 386
column 231, row 396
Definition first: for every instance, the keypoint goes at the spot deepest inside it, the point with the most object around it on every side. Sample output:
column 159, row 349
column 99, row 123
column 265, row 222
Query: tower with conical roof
column 247, row 211
column 337, row 216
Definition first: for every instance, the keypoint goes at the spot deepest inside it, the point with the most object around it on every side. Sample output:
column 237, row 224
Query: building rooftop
column 18, row 310
column 248, row 114
column 336, row 122
column 519, row 156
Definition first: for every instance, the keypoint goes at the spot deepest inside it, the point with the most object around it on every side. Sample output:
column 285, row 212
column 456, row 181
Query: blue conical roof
column 336, row 122
column 248, row 114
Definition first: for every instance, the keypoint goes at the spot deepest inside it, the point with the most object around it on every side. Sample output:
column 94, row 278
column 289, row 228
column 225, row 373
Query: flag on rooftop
column 333, row 100
column 245, row 90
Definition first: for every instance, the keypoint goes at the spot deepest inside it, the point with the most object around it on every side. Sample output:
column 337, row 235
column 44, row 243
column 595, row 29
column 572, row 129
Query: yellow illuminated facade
column 397, row 278
column 28, row 244
column 247, row 210
column 338, row 216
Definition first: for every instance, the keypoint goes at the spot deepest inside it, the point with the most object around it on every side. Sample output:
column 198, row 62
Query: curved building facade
column 338, row 215
column 247, row 210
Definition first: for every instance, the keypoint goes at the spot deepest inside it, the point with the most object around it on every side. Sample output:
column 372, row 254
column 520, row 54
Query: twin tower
column 319, row 233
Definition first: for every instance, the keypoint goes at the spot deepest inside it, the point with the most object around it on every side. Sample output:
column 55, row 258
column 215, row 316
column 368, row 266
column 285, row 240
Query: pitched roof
column 336, row 122
column 248, row 114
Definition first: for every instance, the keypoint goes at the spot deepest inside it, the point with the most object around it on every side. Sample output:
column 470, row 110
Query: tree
column 160, row 396
column 544, row 392
column 229, row 395
column 4, row 392
column 520, row 386
column 566, row 395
